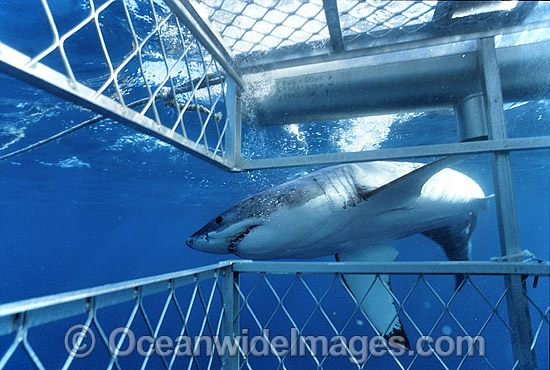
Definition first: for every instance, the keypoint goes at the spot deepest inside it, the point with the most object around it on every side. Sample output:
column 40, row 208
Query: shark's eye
column 219, row 220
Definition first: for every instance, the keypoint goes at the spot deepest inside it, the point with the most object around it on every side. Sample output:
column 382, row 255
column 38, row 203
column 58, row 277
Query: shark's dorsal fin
column 377, row 303
column 403, row 192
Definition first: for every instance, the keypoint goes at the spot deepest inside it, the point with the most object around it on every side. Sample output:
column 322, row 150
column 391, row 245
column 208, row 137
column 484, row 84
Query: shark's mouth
column 234, row 244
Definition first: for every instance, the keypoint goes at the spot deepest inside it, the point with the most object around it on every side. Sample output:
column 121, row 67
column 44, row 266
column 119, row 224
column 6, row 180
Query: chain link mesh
column 427, row 308
column 264, row 25
column 191, row 311
column 378, row 18
column 247, row 27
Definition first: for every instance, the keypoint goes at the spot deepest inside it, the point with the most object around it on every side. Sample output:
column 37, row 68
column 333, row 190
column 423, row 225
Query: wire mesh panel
column 265, row 33
column 132, row 61
column 148, row 323
column 300, row 320
column 252, row 315
column 379, row 18
column 259, row 26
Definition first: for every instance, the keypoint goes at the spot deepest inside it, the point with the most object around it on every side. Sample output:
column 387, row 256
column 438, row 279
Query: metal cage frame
column 223, row 279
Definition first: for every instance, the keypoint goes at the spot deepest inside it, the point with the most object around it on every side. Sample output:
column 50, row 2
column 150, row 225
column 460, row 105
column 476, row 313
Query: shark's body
column 351, row 211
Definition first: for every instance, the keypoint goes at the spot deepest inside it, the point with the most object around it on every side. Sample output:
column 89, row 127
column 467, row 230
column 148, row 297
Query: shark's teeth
column 233, row 245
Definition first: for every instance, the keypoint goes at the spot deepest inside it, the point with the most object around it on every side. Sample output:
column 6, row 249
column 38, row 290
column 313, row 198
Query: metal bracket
column 471, row 118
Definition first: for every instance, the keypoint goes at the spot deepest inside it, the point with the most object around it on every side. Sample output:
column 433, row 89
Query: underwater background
column 108, row 204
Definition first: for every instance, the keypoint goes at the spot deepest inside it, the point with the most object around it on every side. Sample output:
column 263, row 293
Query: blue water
column 107, row 204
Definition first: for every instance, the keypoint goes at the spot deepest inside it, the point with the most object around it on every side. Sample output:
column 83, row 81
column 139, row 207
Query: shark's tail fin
column 372, row 294
column 455, row 240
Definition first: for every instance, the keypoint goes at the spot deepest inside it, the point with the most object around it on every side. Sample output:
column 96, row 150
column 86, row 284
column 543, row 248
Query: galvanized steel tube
column 360, row 87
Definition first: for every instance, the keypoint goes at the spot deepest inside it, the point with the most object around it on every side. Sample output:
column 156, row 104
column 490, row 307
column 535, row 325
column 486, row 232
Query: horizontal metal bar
column 207, row 37
column 15, row 63
column 42, row 310
column 403, row 268
column 59, row 306
column 413, row 81
column 474, row 147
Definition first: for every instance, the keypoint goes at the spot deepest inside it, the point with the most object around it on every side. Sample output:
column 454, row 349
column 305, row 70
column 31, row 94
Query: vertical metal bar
column 233, row 134
column 230, row 317
column 518, row 305
column 333, row 22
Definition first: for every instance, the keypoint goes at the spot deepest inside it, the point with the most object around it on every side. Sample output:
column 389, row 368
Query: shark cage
column 190, row 72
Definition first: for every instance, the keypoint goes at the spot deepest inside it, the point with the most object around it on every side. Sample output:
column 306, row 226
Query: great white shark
column 351, row 211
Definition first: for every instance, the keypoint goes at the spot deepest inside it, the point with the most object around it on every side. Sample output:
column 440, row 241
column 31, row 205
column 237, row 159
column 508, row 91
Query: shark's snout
column 203, row 243
column 197, row 241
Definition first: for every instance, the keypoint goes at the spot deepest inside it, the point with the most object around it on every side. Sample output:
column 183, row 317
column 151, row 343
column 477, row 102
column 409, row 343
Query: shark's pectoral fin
column 373, row 294
column 403, row 192
column 455, row 241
